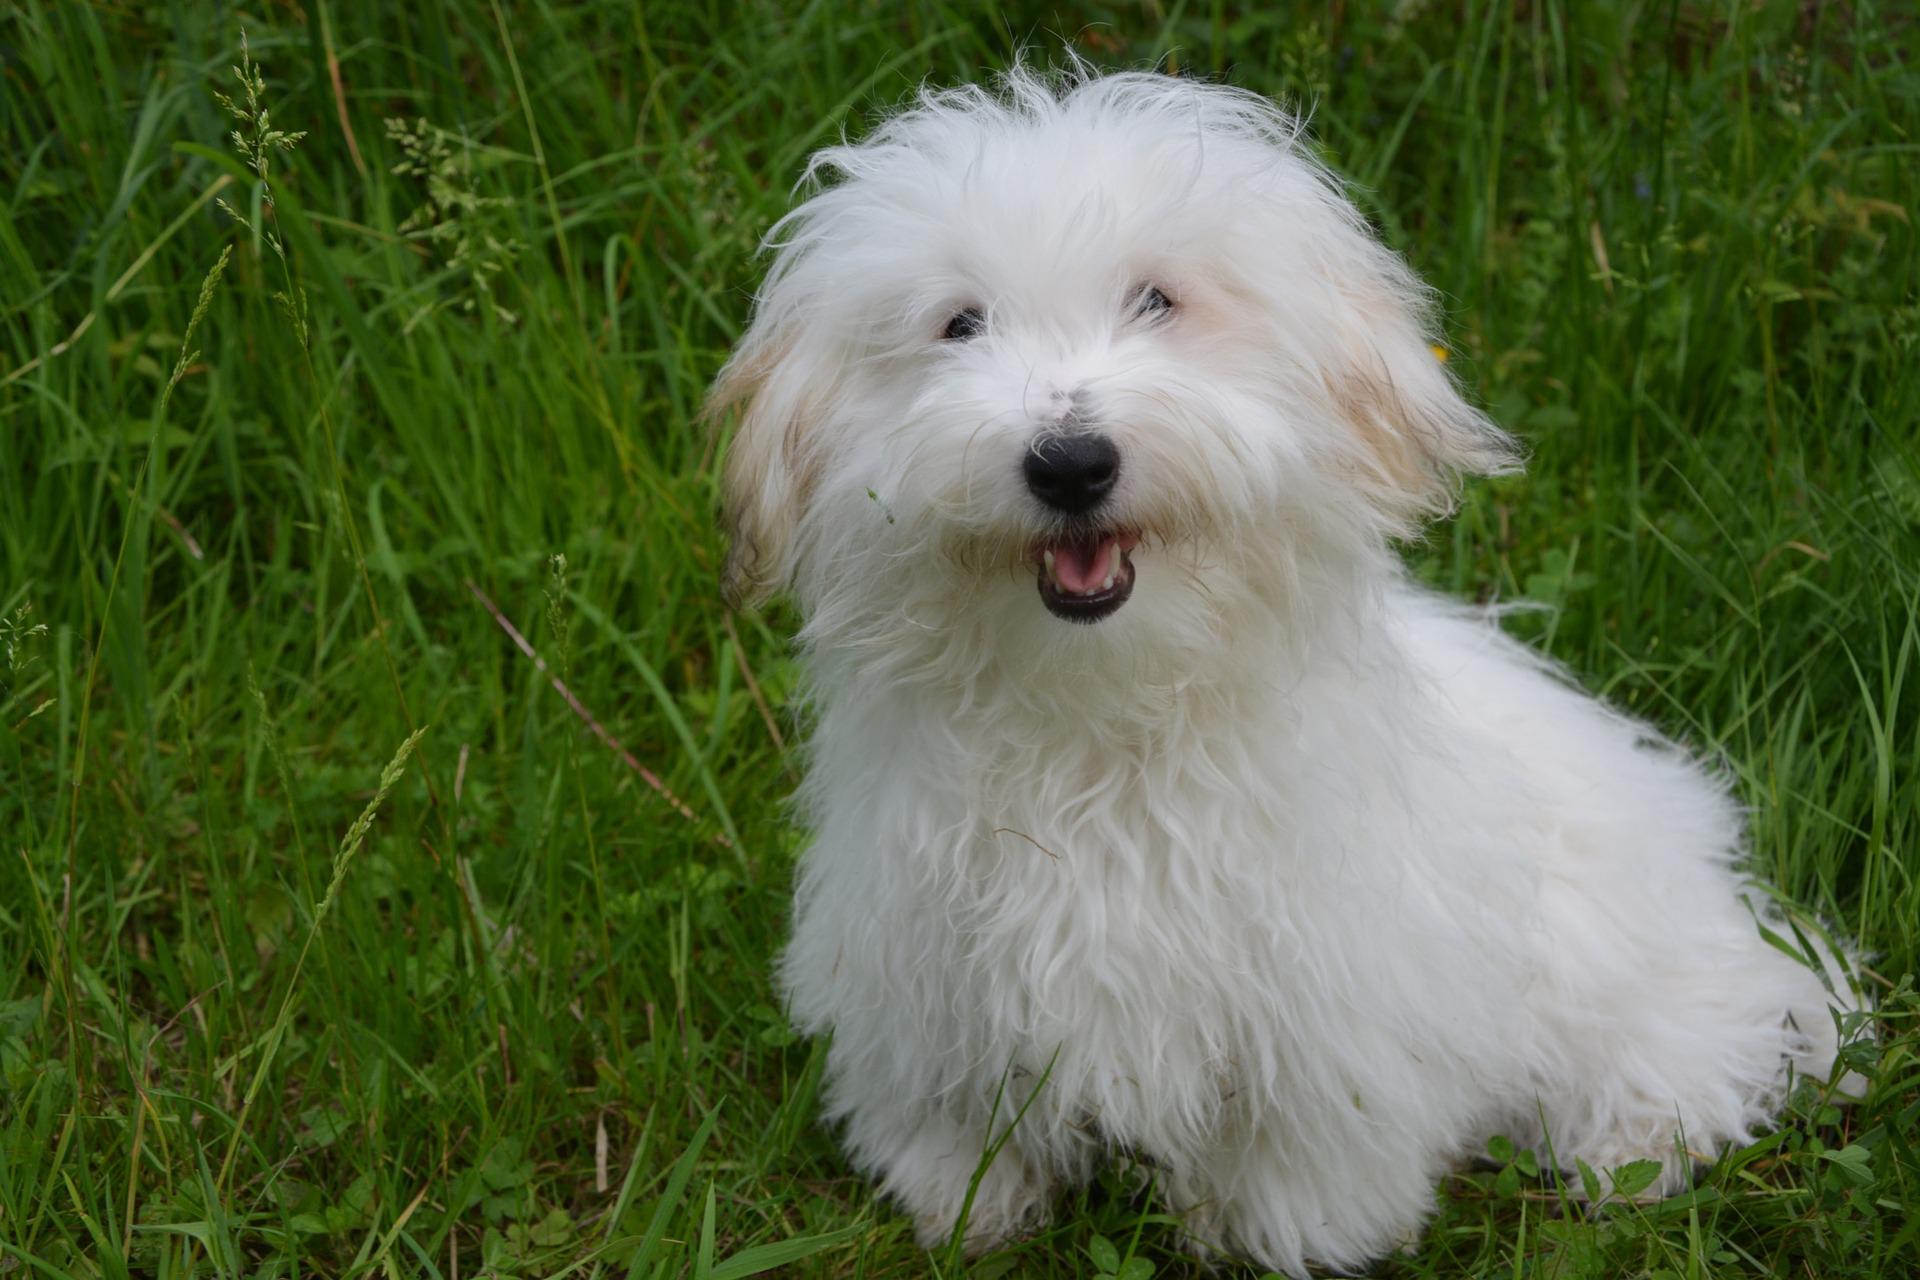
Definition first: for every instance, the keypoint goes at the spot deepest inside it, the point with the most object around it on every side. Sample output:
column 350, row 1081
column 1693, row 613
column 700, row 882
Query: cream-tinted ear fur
column 768, row 472
column 1418, row 435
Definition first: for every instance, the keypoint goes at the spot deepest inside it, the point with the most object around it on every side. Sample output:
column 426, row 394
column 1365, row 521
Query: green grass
column 518, row 1020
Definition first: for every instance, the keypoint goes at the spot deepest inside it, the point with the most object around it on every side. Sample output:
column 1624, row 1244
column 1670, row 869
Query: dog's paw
column 1621, row 1174
column 987, row 1228
column 1009, row 1203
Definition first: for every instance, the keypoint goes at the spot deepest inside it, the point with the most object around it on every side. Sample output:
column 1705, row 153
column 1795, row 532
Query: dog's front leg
column 1339, row 1202
column 928, row 1163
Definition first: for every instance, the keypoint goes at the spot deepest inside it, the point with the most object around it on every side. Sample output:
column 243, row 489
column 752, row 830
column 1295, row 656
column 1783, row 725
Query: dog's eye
column 1152, row 303
column 970, row 323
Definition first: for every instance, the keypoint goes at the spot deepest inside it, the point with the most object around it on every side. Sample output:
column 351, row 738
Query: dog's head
column 1118, row 338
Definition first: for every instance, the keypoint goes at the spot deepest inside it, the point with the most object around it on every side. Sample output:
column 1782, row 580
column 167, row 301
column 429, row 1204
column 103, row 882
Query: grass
column 278, row 998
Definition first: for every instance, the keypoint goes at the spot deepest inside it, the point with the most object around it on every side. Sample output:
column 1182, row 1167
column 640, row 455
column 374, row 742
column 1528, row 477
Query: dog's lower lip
column 1100, row 603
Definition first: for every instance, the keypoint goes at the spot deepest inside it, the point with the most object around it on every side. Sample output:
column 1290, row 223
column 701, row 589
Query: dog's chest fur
column 1101, row 946
column 1161, row 926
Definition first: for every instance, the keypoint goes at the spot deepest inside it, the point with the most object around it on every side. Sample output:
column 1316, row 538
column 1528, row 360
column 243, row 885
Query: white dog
column 1148, row 795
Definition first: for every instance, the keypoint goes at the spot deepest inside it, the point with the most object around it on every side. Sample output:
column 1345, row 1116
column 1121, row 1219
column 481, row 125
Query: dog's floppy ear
column 768, row 474
column 1389, row 381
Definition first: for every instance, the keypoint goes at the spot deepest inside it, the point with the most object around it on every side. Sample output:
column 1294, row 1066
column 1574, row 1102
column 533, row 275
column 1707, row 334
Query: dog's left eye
column 1152, row 303
column 970, row 323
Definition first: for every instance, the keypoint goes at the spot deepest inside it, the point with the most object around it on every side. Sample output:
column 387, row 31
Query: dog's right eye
column 970, row 323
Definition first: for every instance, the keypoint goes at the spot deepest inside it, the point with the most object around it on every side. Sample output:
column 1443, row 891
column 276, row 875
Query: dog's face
column 1074, row 352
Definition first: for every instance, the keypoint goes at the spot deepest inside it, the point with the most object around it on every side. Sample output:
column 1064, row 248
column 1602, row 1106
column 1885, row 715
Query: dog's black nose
column 1072, row 473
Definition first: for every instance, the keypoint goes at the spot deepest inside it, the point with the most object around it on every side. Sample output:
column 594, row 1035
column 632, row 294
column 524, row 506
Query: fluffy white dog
column 1148, row 795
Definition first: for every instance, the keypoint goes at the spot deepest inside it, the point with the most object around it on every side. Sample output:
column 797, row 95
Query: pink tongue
column 1083, row 566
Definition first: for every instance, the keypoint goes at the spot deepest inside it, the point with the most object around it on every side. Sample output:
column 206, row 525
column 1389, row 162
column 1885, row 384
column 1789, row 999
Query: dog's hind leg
column 1674, row 1047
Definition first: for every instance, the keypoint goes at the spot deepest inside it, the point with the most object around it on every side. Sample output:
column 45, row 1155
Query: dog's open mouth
column 1085, row 578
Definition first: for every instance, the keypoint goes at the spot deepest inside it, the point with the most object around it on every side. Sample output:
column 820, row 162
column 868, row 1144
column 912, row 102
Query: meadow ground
column 271, row 1005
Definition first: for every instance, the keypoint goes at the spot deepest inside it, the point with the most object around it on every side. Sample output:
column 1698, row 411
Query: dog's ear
column 766, row 475
column 1389, row 381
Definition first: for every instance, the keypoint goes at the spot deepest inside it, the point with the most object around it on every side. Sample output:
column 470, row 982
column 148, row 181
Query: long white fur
column 1290, row 878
